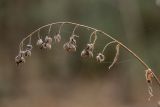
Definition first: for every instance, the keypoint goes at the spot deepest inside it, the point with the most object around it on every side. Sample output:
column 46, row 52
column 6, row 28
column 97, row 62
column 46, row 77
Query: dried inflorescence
column 149, row 76
column 26, row 53
column 57, row 38
column 46, row 44
column 100, row 57
column 71, row 45
column 87, row 52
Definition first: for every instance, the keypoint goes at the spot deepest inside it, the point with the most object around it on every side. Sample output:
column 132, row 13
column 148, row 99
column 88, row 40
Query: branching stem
column 97, row 31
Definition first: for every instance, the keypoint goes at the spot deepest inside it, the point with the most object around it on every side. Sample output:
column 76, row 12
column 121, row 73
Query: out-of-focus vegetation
column 57, row 79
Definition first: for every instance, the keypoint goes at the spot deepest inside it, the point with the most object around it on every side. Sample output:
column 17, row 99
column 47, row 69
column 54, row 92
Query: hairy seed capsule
column 100, row 57
column 72, row 41
column 48, row 39
column 89, row 47
column 48, row 46
column 69, row 47
column 27, row 53
column 19, row 59
column 149, row 75
column 39, row 42
column 86, row 53
column 29, row 47
column 57, row 38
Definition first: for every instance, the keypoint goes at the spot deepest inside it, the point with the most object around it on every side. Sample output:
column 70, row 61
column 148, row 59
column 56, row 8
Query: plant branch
column 100, row 31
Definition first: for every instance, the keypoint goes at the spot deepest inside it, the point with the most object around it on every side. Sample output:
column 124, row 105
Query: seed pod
column 39, row 42
column 149, row 75
column 69, row 47
column 27, row 53
column 57, row 38
column 19, row 59
column 100, row 57
column 86, row 54
column 48, row 39
column 48, row 46
column 72, row 40
column 90, row 47
column 29, row 47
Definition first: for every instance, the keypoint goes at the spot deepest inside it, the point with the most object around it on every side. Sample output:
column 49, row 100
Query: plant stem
column 100, row 31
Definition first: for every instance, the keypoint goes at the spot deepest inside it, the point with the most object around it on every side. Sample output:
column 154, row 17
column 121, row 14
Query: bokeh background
column 58, row 79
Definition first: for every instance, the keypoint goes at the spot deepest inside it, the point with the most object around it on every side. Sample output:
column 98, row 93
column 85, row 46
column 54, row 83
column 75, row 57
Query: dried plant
column 87, row 52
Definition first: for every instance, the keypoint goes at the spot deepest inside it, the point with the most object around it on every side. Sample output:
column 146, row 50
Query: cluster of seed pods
column 69, row 46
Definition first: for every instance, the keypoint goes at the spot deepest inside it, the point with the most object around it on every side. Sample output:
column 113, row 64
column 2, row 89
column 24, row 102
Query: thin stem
column 100, row 31
column 49, row 30
column 73, row 33
column 93, row 33
column 60, row 28
column 30, row 40
column 108, row 45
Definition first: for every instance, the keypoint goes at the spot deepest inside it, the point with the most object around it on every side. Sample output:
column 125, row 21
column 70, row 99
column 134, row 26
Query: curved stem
column 100, row 31
column 73, row 33
column 60, row 28
column 95, row 34
column 108, row 45
column 49, row 30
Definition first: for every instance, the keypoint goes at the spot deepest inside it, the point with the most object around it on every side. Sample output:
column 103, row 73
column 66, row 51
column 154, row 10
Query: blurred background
column 58, row 79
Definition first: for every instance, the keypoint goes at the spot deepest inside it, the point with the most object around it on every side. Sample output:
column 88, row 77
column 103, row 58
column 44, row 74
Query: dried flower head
column 47, row 46
column 88, row 51
column 19, row 59
column 86, row 54
column 48, row 39
column 72, row 40
column 29, row 47
column 69, row 47
column 90, row 47
column 100, row 57
column 57, row 38
column 27, row 53
column 149, row 75
column 39, row 42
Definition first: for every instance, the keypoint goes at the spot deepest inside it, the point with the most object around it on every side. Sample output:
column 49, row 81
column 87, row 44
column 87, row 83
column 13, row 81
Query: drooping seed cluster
column 70, row 46
column 46, row 44
column 26, row 53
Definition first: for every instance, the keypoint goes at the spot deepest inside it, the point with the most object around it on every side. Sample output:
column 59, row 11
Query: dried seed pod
column 19, row 59
column 57, row 38
column 100, row 57
column 90, row 47
column 48, row 39
column 72, row 40
column 69, row 47
column 29, row 47
column 27, row 53
column 149, row 75
column 86, row 53
column 48, row 46
column 39, row 42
